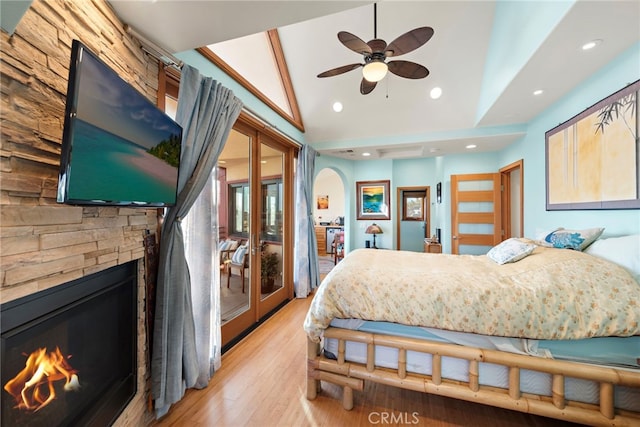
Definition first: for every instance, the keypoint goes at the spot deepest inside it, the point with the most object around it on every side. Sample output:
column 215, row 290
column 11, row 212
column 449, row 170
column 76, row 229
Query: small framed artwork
column 593, row 159
column 373, row 200
column 413, row 205
column 322, row 202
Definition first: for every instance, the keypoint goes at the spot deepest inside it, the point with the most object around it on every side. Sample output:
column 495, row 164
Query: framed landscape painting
column 593, row 159
column 373, row 200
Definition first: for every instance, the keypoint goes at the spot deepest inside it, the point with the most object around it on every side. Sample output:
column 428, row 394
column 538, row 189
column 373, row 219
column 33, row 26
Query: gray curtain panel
column 206, row 112
column 306, row 275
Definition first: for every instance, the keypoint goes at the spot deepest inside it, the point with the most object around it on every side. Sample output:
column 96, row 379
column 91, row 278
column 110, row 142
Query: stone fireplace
column 45, row 245
column 69, row 353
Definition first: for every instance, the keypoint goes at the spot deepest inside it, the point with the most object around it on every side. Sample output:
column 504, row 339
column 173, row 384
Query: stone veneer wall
column 44, row 244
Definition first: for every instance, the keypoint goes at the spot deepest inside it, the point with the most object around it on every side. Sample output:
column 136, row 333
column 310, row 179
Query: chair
column 338, row 246
column 238, row 260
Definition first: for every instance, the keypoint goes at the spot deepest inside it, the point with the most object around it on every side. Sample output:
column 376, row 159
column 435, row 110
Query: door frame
column 426, row 207
column 507, row 202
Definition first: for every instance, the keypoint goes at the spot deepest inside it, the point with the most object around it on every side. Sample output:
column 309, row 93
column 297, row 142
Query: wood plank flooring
column 262, row 383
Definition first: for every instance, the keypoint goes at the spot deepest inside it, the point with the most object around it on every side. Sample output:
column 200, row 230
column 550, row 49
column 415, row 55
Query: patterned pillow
column 238, row 254
column 573, row 239
column 224, row 245
column 511, row 250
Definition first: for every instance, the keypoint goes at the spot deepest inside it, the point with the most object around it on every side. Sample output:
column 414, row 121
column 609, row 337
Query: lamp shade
column 375, row 71
column 373, row 229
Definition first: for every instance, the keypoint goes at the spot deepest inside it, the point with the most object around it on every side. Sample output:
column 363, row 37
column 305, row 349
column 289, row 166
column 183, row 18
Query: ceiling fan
column 376, row 51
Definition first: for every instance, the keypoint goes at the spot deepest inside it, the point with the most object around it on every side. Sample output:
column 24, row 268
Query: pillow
column 511, row 250
column 224, row 245
column 233, row 244
column 238, row 255
column 624, row 251
column 572, row 239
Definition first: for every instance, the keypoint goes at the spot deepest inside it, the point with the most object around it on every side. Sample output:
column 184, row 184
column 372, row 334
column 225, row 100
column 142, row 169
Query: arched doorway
column 328, row 213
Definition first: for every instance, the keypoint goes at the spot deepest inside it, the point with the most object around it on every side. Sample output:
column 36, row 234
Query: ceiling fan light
column 374, row 71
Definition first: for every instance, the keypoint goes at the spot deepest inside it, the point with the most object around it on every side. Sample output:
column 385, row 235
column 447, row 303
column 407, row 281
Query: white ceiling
column 487, row 81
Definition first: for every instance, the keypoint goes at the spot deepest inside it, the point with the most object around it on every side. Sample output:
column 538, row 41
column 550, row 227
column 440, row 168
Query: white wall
column 328, row 183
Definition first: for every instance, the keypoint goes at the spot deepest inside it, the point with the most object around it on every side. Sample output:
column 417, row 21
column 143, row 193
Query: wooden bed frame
column 351, row 377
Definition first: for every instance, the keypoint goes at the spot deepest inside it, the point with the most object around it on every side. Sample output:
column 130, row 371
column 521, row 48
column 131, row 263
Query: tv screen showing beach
column 122, row 149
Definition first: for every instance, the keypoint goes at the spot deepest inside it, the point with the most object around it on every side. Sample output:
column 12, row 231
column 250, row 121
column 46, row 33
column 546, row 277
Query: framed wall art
column 322, row 202
column 593, row 159
column 373, row 200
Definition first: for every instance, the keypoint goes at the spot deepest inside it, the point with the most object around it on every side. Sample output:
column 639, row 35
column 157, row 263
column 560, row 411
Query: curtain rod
column 268, row 124
column 153, row 49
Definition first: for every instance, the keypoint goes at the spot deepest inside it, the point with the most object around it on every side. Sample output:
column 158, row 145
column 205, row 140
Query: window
column 271, row 211
column 239, row 209
column 272, row 206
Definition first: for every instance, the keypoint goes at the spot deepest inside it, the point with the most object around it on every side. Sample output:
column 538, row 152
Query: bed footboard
column 350, row 376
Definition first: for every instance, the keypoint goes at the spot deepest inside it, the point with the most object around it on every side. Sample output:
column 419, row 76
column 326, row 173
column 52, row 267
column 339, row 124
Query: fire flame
column 33, row 387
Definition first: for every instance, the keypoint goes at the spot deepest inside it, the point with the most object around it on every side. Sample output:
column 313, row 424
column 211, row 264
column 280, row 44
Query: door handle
column 454, row 237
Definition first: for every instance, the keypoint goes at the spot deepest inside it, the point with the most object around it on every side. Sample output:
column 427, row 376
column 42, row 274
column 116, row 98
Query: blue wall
column 429, row 171
column 531, row 148
column 616, row 75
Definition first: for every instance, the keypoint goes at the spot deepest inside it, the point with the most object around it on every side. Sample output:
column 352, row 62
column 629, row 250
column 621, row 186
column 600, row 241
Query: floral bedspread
column 550, row 294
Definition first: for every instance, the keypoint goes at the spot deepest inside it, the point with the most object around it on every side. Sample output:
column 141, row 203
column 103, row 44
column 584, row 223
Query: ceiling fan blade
column 366, row 86
column 409, row 41
column 408, row 69
column 377, row 45
column 339, row 70
column 354, row 43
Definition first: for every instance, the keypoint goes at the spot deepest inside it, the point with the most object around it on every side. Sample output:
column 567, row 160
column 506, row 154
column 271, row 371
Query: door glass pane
column 234, row 219
column 475, row 185
column 475, row 207
column 272, row 220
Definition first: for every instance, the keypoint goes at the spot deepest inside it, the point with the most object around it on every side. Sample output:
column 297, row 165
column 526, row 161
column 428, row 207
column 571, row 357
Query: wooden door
column 475, row 213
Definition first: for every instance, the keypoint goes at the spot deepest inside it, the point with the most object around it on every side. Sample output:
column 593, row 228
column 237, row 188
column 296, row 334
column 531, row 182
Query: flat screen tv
column 118, row 148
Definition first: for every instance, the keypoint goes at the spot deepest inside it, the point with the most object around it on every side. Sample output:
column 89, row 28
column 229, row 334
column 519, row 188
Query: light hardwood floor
column 262, row 383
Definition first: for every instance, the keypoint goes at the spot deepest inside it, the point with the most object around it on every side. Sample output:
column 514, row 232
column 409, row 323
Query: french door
column 255, row 176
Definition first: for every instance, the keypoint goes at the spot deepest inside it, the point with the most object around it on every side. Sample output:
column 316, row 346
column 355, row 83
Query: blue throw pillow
column 573, row 239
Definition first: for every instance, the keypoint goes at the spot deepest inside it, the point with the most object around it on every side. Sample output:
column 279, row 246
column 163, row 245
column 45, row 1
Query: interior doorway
column 486, row 209
column 328, row 214
column 414, row 218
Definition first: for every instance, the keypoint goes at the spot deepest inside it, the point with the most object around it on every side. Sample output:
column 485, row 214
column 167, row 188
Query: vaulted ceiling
column 488, row 57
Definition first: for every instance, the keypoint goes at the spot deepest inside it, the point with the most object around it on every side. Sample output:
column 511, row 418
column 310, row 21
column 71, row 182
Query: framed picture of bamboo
column 593, row 159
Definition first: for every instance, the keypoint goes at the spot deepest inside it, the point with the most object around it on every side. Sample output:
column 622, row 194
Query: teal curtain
column 306, row 275
column 206, row 111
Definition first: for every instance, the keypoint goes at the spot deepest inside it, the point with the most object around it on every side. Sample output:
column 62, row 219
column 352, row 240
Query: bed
column 553, row 332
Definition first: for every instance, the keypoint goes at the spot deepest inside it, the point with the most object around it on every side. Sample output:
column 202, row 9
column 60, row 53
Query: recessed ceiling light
column 366, row 154
column 435, row 93
column 538, row 92
column 434, row 150
column 222, row 162
column 263, row 161
column 470, row 146
column 337, row 106
column 591, row 44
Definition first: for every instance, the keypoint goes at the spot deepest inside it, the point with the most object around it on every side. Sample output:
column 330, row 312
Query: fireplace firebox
column 69, row 353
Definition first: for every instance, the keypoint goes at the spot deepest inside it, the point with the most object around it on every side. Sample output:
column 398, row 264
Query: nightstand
column 432, row 248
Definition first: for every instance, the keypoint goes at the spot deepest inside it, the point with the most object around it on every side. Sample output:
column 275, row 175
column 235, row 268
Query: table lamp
column 374, row 229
